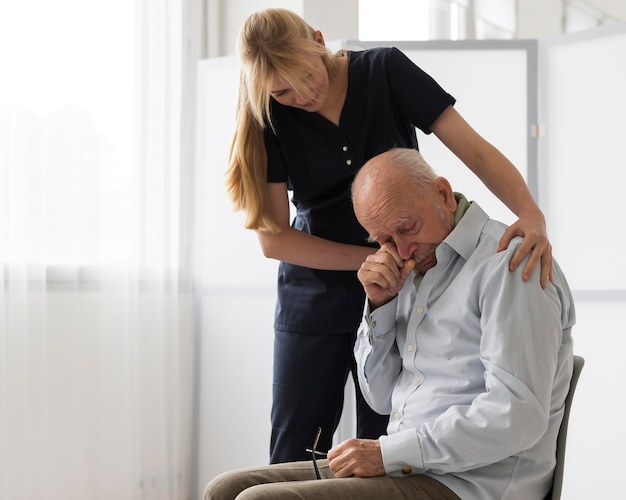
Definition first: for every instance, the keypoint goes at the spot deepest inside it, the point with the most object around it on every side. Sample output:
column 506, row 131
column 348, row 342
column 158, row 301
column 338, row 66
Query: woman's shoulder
column 378, row 59
column 373, row 54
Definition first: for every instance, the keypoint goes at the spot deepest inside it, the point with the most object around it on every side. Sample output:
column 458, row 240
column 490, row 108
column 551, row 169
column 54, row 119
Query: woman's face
column 316, row 81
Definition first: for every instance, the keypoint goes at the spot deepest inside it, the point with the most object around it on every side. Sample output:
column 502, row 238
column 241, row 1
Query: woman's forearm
column 302, row 249
column 496, row 172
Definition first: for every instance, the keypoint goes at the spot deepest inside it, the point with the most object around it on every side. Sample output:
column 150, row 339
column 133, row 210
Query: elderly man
column 471, row 362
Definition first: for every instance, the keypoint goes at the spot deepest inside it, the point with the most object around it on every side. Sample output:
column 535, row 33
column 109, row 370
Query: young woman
column 307, row 120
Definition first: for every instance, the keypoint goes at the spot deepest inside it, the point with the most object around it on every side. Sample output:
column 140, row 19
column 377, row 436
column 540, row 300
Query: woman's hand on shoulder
column 532, row 227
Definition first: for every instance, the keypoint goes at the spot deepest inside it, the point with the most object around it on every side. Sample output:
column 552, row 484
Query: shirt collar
column 469, row 220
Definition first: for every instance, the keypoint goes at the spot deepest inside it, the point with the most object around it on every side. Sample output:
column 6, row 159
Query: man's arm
column 377, row 356
column 382, row 275
column 521, row 336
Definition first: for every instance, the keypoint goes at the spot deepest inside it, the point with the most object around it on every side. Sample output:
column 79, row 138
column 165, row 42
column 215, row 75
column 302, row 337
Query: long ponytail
column 246, row 176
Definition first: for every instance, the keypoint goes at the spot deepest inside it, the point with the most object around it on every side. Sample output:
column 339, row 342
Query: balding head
column 396, row 171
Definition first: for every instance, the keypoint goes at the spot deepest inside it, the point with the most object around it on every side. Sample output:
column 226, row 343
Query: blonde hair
column 271, row 42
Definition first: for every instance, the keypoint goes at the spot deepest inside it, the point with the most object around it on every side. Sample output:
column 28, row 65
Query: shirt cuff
column 382, row 319
column 402, row 453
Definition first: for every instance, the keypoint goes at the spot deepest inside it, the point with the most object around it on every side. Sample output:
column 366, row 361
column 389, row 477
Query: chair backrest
column 557, row 482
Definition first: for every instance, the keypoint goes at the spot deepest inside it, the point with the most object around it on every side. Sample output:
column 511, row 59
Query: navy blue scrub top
column 388, row 97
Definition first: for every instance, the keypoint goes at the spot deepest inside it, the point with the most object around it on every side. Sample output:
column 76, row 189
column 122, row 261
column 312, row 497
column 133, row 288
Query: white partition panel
column 582, row 176
column 584, row 154
column 491, row 91
column 495, row 93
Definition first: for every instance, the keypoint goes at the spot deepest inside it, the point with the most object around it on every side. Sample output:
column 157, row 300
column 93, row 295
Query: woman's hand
column 533, row 228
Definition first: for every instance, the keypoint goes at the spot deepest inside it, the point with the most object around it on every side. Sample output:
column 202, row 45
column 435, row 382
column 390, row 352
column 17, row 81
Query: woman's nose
column 301, row 100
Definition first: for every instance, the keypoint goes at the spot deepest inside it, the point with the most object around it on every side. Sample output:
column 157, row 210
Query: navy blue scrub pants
column 310, row 374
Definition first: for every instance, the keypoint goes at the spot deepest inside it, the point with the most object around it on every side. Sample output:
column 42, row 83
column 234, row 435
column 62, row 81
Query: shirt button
column 397, row 416
column 345, row 148
column 406, row 470
column 373, row 324
column 418, row 381
column 348, row 162
column 410, row 348
column 420, row 310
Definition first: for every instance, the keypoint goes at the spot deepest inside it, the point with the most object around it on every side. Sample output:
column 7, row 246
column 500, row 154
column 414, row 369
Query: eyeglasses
column 315, row 453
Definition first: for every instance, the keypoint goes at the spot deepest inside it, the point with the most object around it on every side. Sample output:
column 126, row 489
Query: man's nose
column 405, row 249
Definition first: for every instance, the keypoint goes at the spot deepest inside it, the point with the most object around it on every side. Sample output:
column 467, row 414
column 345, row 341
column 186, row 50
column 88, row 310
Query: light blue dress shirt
column 473, row 368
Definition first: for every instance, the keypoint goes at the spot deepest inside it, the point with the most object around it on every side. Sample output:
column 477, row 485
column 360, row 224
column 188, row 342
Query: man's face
column 415, row 224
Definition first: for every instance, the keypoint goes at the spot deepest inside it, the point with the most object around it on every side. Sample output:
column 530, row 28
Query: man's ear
column 319, row 38
column 443, row 190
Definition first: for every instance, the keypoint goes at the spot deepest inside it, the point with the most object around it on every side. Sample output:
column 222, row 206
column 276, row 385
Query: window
column 448, row 19
column 581, row 16
column 382, row 21
column 88, row 136
column 495, row 19
column 436, row 19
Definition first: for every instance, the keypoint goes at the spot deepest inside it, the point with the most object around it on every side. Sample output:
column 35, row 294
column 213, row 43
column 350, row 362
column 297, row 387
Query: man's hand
column 357, row 458
column 383, row 274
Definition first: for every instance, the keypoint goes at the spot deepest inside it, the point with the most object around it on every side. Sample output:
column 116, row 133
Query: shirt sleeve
column 377, row 356
column 276, row 171
column 418, row 95
column 521, row 336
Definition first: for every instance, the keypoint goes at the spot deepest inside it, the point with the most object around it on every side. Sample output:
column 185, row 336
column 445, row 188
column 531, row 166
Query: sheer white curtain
column 96, row 365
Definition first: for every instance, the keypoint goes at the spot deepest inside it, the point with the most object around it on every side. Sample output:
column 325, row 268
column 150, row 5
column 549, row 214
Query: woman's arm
column 505, row 181
column 297, row 247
